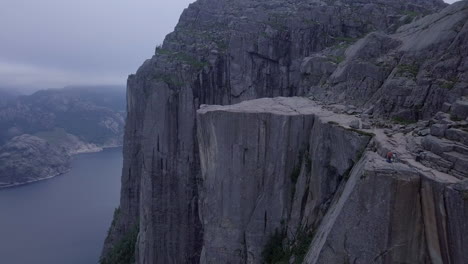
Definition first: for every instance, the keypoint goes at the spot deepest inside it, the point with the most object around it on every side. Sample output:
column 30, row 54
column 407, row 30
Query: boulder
column 459, row 110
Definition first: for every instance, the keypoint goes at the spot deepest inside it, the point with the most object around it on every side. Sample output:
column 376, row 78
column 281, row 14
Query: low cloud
column 27, row 78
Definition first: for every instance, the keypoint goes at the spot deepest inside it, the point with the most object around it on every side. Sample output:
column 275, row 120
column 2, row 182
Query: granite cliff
column 284, row 180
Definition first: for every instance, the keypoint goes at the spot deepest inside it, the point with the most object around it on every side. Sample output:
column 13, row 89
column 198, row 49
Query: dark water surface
column 63, row 220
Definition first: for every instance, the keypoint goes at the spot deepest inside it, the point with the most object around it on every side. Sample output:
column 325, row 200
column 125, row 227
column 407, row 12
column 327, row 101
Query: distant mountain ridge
column 92, row 113
column 45, row 128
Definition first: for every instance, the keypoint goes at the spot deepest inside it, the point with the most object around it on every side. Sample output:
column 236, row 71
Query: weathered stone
column 436, row 145
column 280, row 152
column 457, row 135
column 366, row 126
column 460, row 110
column 363, row 205
column 434, row 161
column 438, row 130
column 355, row 124
column 416, row 230
column 424, row 132
column 460, row 162
column 446, row 107
column 457, row 213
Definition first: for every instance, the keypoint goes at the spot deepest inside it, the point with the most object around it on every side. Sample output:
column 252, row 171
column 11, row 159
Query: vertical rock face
column 267, row 165
column 289, row 166
column 377, row 219
column 411, row 215
column 225, row 52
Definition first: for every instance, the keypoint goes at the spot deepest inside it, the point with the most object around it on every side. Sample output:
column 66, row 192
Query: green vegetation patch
column 169, row 79
column 411, row 14
column 403, row 121
column 123, row 251
column 450, row 83
column 412, row 69
column 364, row 133
column 346, row 39
column 275, row 252
column 344, row 42
column 301, row 245
column 182, row 57
column 337, row 59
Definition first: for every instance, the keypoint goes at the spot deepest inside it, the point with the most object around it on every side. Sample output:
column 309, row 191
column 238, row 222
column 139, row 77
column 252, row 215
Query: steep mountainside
column 94, row 114
column 28, row 158
column 40, row 131
column 389, row 60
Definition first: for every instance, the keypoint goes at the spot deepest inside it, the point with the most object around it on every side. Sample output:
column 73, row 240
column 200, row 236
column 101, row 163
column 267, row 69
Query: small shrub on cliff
column 123, row 251
column 403, row 121
column 273, row 252
column 465, row 195
column 301, row 245
column 412, row 69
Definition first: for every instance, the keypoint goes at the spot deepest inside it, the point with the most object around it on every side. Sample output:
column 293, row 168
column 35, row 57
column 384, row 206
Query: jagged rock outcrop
column 22, row 160
column 268, row 165
column 407, row 75
column 225, row 52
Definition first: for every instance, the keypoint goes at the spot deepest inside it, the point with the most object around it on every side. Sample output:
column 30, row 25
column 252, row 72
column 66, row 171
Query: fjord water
column 64, row 219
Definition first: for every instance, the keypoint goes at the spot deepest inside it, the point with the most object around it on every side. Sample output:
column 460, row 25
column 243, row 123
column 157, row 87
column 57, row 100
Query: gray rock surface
column 408, row 75
column 267, row 165
column 290, row 164
column 22, row 160
column 406, row 211
column 225, row 52
column 460, row 109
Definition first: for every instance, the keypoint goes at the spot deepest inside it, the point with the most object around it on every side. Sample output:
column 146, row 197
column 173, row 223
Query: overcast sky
column 54, row 43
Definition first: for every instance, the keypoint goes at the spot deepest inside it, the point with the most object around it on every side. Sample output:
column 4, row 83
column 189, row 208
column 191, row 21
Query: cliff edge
column 392, row 63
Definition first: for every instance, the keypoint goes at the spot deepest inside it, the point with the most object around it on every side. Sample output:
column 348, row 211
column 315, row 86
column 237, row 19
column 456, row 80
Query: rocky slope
column 28, row 158
column 40, row 131
column 385, row 59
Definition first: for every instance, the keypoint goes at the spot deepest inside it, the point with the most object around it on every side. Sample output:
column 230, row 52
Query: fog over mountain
column 55, row 43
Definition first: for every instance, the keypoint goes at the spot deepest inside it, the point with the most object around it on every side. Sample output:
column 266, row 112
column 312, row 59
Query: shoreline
column 101, row 149
column 33, row 181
